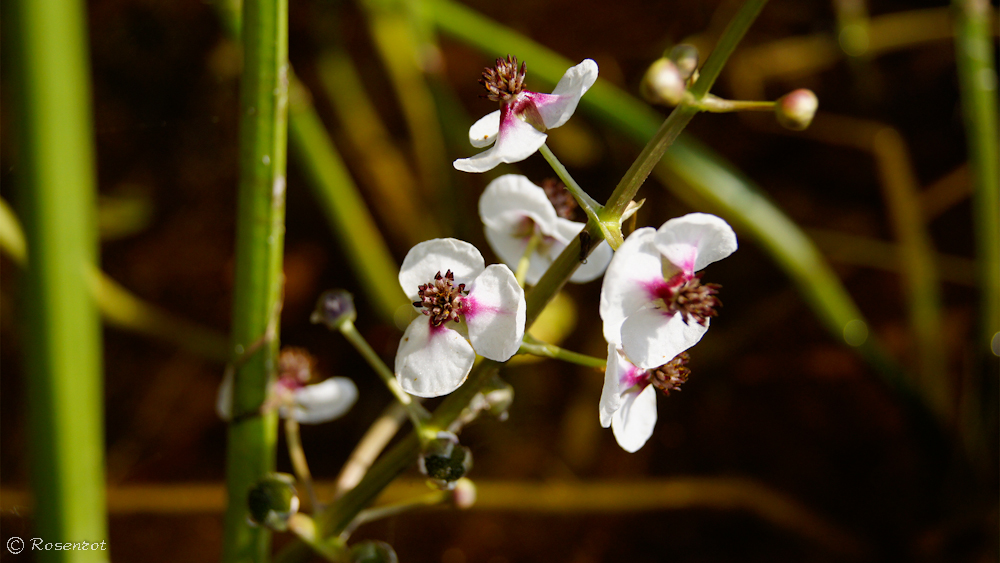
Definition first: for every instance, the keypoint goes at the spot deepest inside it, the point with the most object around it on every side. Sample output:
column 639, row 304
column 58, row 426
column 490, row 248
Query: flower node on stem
column 671, row 375
column 441, row 299
column 505, row 81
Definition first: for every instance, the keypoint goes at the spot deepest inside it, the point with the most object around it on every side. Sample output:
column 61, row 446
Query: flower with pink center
column 513, row 210
column 628, row 401
column 292, row 394
column 652, row 300
column 516, row 130
column 468, row 309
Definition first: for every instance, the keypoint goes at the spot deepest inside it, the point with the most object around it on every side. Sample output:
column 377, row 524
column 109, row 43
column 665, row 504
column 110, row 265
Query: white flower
column 461, row 299
column 628, row 401
column 513, row 210
column 309, row 404
column 652, row 302
column 516, row 130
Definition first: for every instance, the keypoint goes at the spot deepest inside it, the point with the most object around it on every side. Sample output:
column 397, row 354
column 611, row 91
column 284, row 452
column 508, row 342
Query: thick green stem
column 259, row 241
column 63, row 336
column 975, row 53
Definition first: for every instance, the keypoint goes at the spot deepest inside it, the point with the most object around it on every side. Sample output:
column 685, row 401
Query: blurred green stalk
column 63, row 335
column 352, row 224
column 260, row 233
column 974, row 50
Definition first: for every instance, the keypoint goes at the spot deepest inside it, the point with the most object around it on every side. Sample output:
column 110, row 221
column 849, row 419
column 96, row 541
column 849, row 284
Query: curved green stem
column 545, row 350
column 299, row 463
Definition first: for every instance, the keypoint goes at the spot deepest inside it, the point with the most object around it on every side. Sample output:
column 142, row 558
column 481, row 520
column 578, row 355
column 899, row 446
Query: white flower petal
column 636, row 266
column 611, row 394
column 596, row 263
column 322, row 402
column 483, row 133
column 431, row 362
column 507, row 200
column 558, row 107
column 426, row 259
column 633, row 423
column 510, row 249
column 516, row 141
column 495, row 313
column 695, row 240
column 652, row 338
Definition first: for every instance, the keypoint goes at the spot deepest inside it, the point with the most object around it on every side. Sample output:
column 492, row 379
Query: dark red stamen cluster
column 692, row 299
column 441, row 299
column 505, row 81
column 671, row 375
column 560, row 198
column 295, row 365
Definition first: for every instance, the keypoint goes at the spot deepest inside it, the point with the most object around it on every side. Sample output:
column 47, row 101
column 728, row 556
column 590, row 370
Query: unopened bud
column 499, row 396
column 796, row 109
column 663, row 83
column 373, row 552
column 445, row 461
column 334, row 308
column 273, row 501
column 464, row 494
column 686, row 58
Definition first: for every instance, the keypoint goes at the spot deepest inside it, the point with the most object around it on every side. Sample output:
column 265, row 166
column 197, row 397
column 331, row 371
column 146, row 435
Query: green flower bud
column 334, row 308
column 373, row 552
column 663, row 83
column 795, row 110
column 445, row 461
column 686, row 58
column 273, row 501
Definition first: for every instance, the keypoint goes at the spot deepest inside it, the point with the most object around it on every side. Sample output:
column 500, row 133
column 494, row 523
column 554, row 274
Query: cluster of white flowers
column 653, row 304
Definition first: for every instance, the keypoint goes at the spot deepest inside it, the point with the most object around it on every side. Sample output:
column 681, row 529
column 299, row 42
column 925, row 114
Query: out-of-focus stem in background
column 57, row 200
column 260, row 230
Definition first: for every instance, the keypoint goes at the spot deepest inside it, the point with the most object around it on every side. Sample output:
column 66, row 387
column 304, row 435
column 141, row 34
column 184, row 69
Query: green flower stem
column 975, row 54
column 434, row 498
column 299, row 464
column 715, row 104
column 62, row 341
column 339, row 198
column 525, row 261
column 417, row 412
column 369, row 447
column 611, row 229
column 260, row 229
column 304, row 527
column 653, row 152
column 537, row 348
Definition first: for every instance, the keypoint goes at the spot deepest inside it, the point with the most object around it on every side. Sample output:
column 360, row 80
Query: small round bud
column 445, row 461
column 663, row 83
column 334, row 308
column 273, row 501
column 795, row 110
column 464, row 494
column 686, row 58
column 373, row 552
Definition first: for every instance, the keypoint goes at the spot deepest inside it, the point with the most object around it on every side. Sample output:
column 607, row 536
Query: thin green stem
column 611, row 229
column 299, row 463
column 417, row 412
column 525, row 262
column 654, row 150
column 434, row 498
column 715, row 104
column 537, row 348
column 48, row 48
column 260, row 231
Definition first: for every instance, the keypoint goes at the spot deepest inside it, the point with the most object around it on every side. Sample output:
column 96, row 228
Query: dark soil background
column 773, row 397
